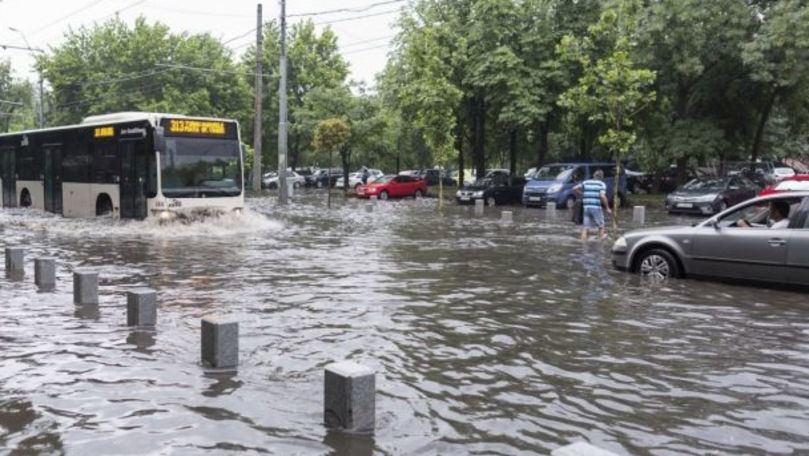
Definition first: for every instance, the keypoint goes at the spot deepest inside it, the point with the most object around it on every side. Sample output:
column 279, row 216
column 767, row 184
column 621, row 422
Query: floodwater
column 488, row 338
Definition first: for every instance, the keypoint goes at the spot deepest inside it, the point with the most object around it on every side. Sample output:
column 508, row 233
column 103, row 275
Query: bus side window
column 106, row 162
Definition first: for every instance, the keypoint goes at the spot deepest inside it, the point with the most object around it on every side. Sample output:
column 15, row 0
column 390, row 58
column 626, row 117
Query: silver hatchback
column 752, row 241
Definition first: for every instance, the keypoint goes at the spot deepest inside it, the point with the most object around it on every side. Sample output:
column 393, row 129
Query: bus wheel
column 25, row 198
column 103, row 205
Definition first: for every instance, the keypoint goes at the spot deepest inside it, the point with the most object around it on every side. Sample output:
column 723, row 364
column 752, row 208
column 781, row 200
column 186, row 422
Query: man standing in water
column 594, row 199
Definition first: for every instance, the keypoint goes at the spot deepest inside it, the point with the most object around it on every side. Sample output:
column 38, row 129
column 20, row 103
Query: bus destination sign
column 104, row 132
column 196, row 127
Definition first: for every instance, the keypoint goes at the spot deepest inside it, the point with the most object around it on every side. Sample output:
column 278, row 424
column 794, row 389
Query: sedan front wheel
column 658, row 264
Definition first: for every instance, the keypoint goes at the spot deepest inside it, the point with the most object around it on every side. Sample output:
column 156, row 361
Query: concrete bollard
column 141, row 307
column 45, row 273
column 220, row 342
column 581, row 449
column 507, row 216
column 550, row 209
column 85, row 286
column 349, row 397
column 479, row 206
column 15, row 261
column 639, row 215
column 369, row 207
column 290, row 189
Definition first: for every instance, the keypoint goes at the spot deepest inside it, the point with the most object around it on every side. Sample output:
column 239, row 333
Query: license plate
column 464, row 198
column 685, row 205
column 534, row 198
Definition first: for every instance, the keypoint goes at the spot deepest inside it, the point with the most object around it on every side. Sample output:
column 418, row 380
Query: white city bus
column 128, row 165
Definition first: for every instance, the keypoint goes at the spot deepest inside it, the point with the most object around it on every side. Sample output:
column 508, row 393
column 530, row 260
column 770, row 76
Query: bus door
column 133, row 178
column 7, row 168
column 52, row 178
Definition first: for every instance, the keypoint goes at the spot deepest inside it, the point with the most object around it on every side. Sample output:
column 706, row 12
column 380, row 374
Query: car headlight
column 478, row 194
column 458, row 194
column 620, row 243
column 555, row 188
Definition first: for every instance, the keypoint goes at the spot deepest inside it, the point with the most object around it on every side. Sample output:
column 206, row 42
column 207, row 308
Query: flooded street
column 487, row 338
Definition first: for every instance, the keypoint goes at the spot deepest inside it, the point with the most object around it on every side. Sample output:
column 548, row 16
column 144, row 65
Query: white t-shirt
column 783, row 223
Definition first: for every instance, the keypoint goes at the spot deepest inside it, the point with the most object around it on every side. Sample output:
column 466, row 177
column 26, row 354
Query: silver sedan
column 752, row 241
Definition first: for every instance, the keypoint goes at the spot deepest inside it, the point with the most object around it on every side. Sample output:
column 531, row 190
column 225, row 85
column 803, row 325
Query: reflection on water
column 487, row 337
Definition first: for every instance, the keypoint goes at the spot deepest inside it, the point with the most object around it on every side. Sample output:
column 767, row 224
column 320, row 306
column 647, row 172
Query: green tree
column 778, row 59
column 329, row 136
column 113, row 67
column 612, row 88
column 14, row 116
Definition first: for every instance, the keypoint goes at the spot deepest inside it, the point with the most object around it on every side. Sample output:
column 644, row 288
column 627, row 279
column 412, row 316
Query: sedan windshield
column 384, row 179
column 708, row 185
column 553, row 172
column 200, row 167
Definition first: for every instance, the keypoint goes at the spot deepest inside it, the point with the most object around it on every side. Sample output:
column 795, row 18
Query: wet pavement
column 488, row 338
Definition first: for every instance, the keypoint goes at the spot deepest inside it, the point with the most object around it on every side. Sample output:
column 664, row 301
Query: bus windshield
column 200, row 167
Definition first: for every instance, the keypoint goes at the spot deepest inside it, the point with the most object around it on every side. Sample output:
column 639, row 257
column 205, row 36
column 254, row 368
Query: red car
column 392, row 186
column 790, row 184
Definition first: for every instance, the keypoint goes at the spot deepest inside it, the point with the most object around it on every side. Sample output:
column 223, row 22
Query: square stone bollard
column 507, row 216
column 220, row 342
column 290, row 189
column 550, row 209
column 45, row 273
column 581, row 449
column 479, row 206
column 349, row 397
column 15, row 261
column 141, row 307
column 639, row 215
column 85, row 286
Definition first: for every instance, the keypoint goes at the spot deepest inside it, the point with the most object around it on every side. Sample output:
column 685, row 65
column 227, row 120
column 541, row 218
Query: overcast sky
column 364, row 41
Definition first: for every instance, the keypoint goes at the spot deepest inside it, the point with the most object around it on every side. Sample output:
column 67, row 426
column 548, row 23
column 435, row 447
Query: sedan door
column 798, row 255
column 741, row 253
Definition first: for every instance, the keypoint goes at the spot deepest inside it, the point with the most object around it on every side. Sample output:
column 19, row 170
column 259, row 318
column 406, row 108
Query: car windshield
column 200, row 167
column 384, row 179
column 553, row 172
column 705, row 185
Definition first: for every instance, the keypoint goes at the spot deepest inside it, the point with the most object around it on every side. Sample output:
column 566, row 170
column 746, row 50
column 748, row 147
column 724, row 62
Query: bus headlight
column 237, row 211
column 166, row 216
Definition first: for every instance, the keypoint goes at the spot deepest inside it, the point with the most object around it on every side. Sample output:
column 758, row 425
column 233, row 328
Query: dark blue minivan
column 554, row 183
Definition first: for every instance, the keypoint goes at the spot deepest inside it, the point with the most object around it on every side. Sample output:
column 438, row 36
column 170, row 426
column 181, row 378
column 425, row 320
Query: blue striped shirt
column 591, row 192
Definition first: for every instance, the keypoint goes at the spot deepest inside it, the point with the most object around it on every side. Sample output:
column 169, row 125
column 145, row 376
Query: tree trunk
column 542, row 143
column 681, row 171
column 346, row 156
column 479, row 119
column 512, row 155
column 295, row 152
column 459, row 148
column 762, row 122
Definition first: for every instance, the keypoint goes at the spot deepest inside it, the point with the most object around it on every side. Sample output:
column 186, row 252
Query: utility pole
column 257, row 133
column 41, row 109
column 282, row 111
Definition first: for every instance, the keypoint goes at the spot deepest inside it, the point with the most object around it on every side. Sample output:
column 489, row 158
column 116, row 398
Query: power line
column 20, row 48
column 354, row 18
column 354, row 51
column 372, row 40
column 247, row 33
column 210, row 70
column 196, row 13
column 67, row 16
column 346, row 10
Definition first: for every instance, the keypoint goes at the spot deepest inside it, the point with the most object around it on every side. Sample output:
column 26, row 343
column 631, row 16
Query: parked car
column 723, row 247
column 555, row 182
column 393, row 186
column 792, row 184
column 306, row 173
column 782, row 172
column 323, row 177
column 355, row 178
column 432, row 175
column 709, row 195
column 494, row 189
column 270, row 180
column 638, row 182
